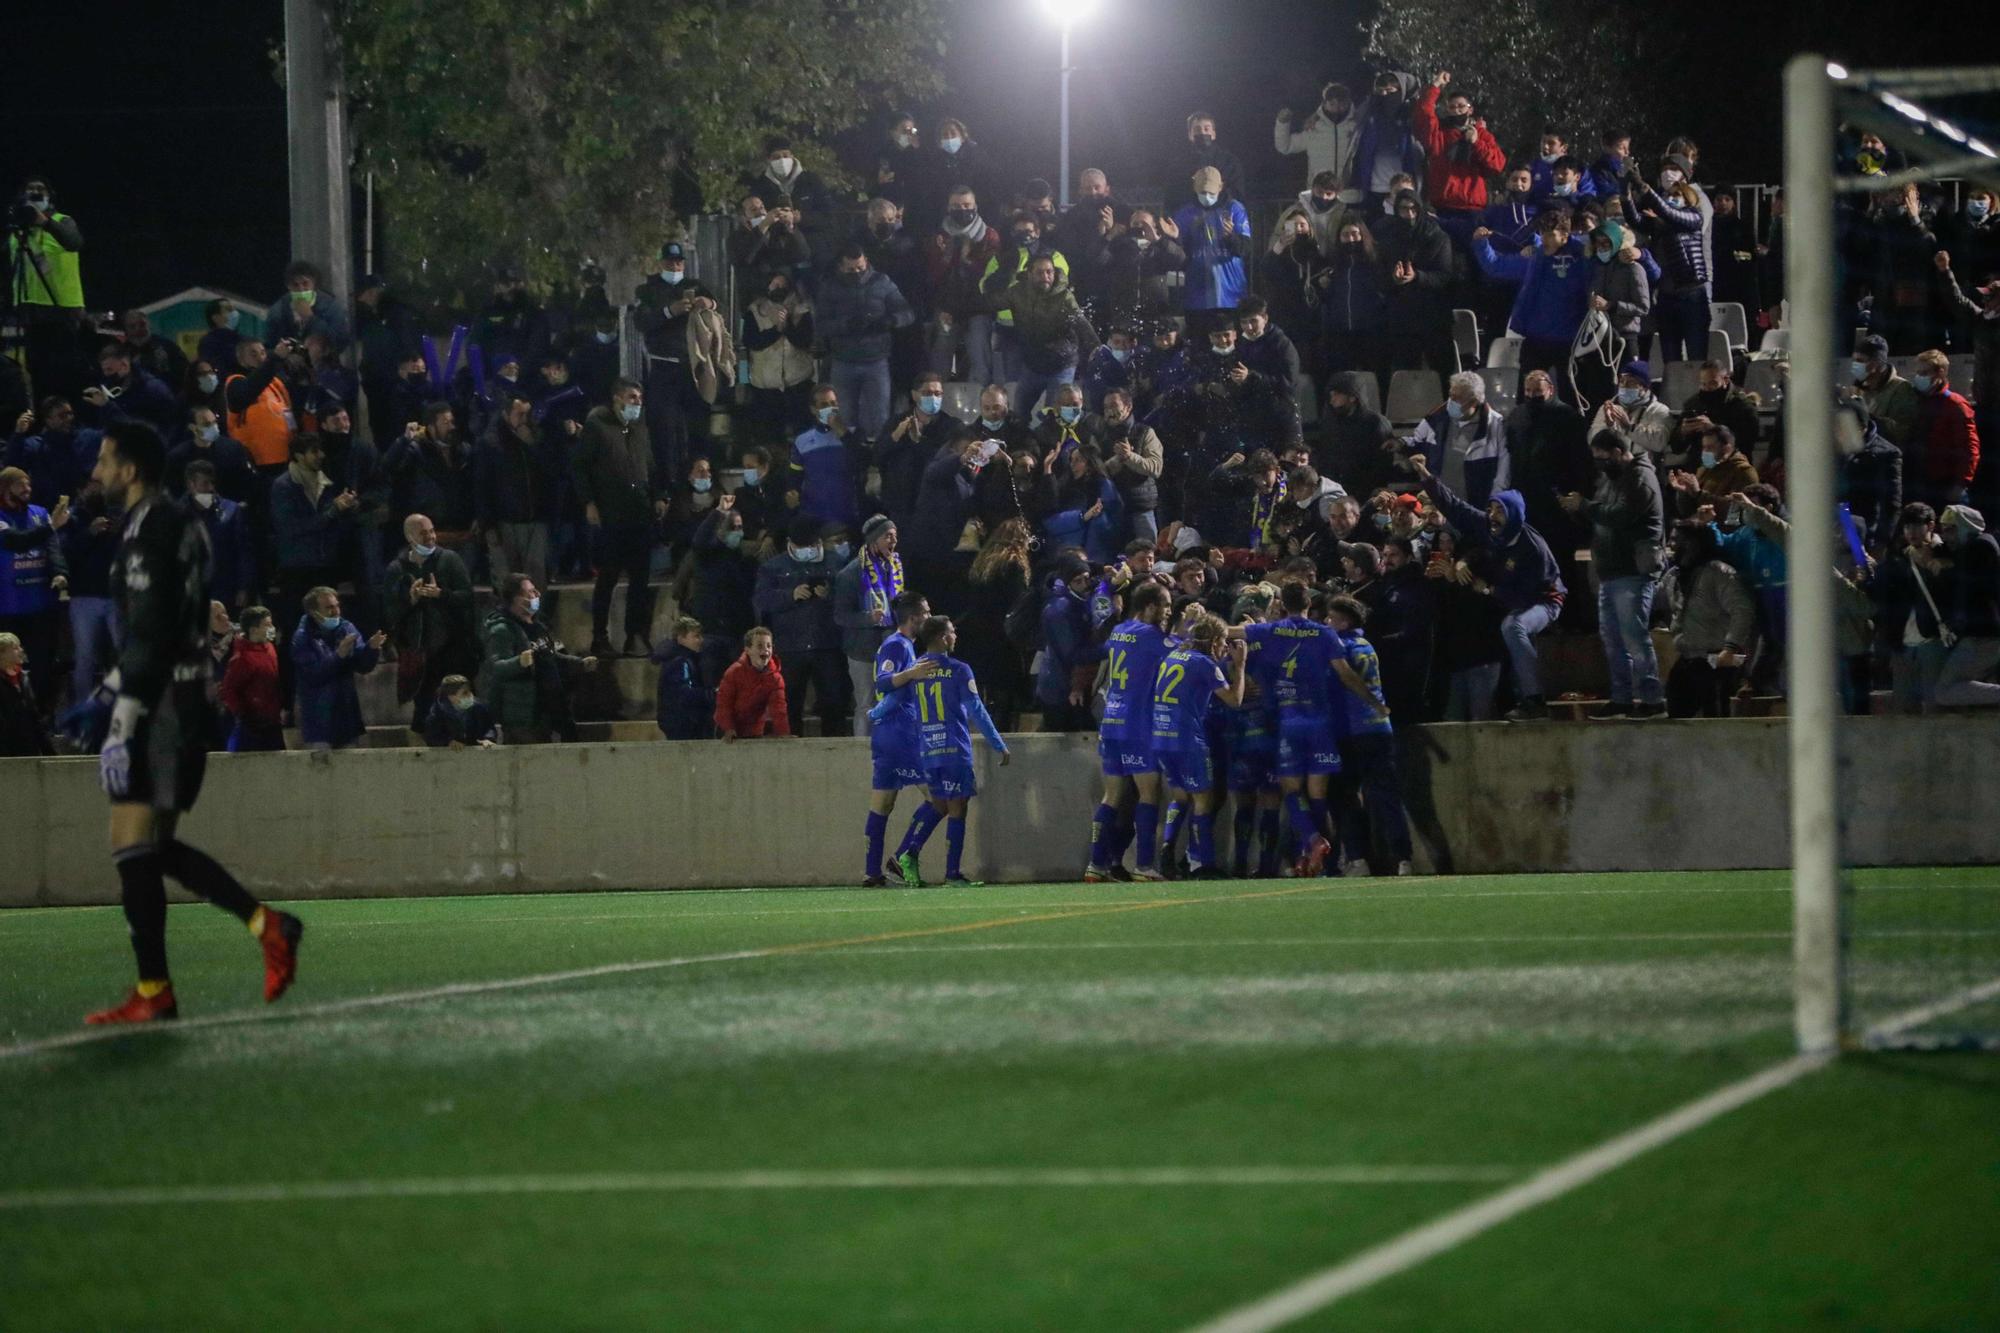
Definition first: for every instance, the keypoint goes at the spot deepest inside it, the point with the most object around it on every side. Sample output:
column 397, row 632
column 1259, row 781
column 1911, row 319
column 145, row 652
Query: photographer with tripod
column 45, row 287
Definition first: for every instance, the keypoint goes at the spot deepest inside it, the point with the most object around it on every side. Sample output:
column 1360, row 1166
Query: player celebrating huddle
column 893, row 743
column 1295, row 660
column 1188, row 680
column 1132, row 655
column 947, row 701
column 155, row 754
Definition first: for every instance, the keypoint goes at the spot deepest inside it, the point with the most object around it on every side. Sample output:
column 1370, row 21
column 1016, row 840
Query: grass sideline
column 1115, row 1107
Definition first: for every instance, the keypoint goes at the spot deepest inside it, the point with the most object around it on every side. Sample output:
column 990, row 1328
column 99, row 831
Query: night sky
column 176, row 168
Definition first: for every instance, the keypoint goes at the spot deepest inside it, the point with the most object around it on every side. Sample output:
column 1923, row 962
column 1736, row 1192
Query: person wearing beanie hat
column 1969, row 569
column 1328, row 136
column 794, row 597
column 864, row 595
column 1644, row 422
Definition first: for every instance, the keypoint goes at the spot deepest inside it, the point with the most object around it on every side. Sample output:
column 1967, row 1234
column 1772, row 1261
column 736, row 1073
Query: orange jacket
column 263, row 427
column 750, row 701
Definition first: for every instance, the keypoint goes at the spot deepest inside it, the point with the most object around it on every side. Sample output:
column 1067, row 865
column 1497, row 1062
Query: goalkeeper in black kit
column 154, row 754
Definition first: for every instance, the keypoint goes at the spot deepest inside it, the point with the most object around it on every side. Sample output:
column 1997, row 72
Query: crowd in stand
column 1142, row 374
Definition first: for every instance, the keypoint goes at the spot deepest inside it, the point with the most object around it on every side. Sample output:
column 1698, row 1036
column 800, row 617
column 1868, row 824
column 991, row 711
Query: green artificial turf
column 1471, row 1030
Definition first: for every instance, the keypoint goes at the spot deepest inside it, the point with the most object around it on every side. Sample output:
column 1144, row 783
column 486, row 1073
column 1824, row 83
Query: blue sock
column 921, row 823
column 1101, row 824
column 878, row 826
column 1301, row 818
column 1170, row 834
column 1145, row 833
column 954, row 846
column 1121, row 838
column 1201, row 841
column 1246, row 820
column 1267, row 837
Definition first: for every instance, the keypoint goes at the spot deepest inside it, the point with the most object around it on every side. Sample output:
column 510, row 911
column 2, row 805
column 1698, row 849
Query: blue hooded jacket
column 1555, row 289
column 1516, row 561
column 1216, row 278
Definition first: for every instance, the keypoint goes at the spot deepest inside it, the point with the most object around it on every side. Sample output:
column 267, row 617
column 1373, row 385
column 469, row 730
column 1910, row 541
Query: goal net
column 1880, row 167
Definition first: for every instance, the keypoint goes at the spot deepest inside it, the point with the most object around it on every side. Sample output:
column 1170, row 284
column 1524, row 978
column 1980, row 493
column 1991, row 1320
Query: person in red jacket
column 250, row 687
column 1944, row 447
column 1460, row 152
column 751, row 698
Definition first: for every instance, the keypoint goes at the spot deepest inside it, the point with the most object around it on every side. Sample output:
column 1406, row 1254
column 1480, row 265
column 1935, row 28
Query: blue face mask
column 1858, row 370
column 1564, row 189
column 807, row 555
column 463, row 703
column 209, row 434
column 424, row 552
column 329, row 622
column 672, row 278
column 1453, row 409
column 606, row 337
column 1630, row 397
column 751, row 476
column 1070, row 415
column 535, row 605
column 951, row 145
column 1708, row 458
column 993, row 423
column 733, row 538
column 206, row 383
column 232, row 319
column 930, row 404
column 1207, row 199
column 1976, row 209
column 1923, row 383
column 825, row 415
column 629, row 413
column 701, row 485
column 842, row 550
column 1121, row 354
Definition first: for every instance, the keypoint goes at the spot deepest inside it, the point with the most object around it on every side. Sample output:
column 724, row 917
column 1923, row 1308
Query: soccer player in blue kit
column 1189, row 681
column 1132, row 656
column 893, row 744
column 1253, row 757
column 1295, row 656
column 947, row 703
column 1373, row 793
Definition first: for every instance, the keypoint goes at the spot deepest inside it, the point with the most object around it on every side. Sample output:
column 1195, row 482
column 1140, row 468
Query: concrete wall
column 1491, row 797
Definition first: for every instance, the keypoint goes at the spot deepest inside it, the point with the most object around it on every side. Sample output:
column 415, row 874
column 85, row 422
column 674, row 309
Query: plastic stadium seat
column 961, row 399
column 1766, row 380
column 1719, row 347
column 1504, row 351
column 1683, row 380
column 1371, row 389
column 1503, row 387
column 1465, row 335
column 1774, row 341
column 1413, row 394
column 1729, row 316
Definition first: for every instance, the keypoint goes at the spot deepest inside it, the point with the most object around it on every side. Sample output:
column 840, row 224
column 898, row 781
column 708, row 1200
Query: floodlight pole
column 1812, row 697
column 1062, row 188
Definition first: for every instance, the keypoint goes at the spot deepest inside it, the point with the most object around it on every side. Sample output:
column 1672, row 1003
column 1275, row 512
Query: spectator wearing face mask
column 666, row 306
column 781, row 181
column 1623, row 294
column 722, row 579
column 1464, row 442
column 526, row 673
column 1328, row 136
column 1890, row 399
column 1109, row 367
column 1086, row 233
column 1552, row 150
column 1134, row 460
column 954, row 161
column 956, row 260
column 1134, row 272
column 202, row 440
column 1353, row 296
column 856, row 315
column 1713, row 621
column 864, row 592
column 1204, row 152
column 124, row 392
column 1670, row 214
column 1269, row 356
column 328, row 653
column 228, row 526
column 613, row 469
column 250, row 692
column 1549, row 457
column 1613, row 167
column 1288, row 271
column 1051, row 330
column 1415, row 257
column 219, row 339
column 1943, row 454
column 779, row 337
column 1979, row 313
column 458, row 721
column 1385, row 146
column 1645, row 423
column 515, row 471
column 1718, row 402
column 1355, row 441
column 1459, row 151
column 1007, row 267
column 1215, row 232
column 47, row 256
column 765, row 243
column 306, row 308
column 795, row 598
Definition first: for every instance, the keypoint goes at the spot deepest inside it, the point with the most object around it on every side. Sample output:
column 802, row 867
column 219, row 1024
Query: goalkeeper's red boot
column 280, row 938
column 138, row 1008
column 1312, row 861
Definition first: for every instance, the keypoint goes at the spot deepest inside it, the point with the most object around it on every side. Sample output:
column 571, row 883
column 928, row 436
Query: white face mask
column 205, row 499
column 781, row 166
column 951, row 145
column 1207, row 198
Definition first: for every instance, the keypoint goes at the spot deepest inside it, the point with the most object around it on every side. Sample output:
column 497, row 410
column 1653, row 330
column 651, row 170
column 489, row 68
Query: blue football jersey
column 1132, row 657
column 944, row 731
column 1359, row 718
column 1187, row 681
column 1296, row 656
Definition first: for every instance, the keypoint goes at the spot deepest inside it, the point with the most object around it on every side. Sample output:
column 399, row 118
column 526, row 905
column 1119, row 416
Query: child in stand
column 458, row 721
column 249, row 687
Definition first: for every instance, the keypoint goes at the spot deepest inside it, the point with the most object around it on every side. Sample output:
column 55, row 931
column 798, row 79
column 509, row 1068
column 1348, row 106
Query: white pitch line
column 664, row 1182
column 1319, row 1290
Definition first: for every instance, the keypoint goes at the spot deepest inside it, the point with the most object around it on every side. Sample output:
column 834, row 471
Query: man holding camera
column 46, row 287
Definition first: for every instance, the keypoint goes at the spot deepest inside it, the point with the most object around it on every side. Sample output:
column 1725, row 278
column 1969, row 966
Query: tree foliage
column 1578, row 66
column 543, row 134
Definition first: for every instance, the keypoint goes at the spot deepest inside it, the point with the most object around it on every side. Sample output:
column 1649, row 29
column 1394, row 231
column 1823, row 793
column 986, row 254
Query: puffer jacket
column 1216, row 277
column 1622, row 283
column 1050, row 324
column 856, row 318
column 1712, row 609
column 1677, row 242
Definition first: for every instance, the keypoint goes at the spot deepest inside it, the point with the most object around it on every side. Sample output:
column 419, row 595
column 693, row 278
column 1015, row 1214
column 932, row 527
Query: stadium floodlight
column 1066, row 14
column 1835, row 70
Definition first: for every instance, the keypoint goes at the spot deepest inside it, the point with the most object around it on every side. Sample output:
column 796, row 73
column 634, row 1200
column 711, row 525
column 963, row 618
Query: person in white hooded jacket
column 1327, row 136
